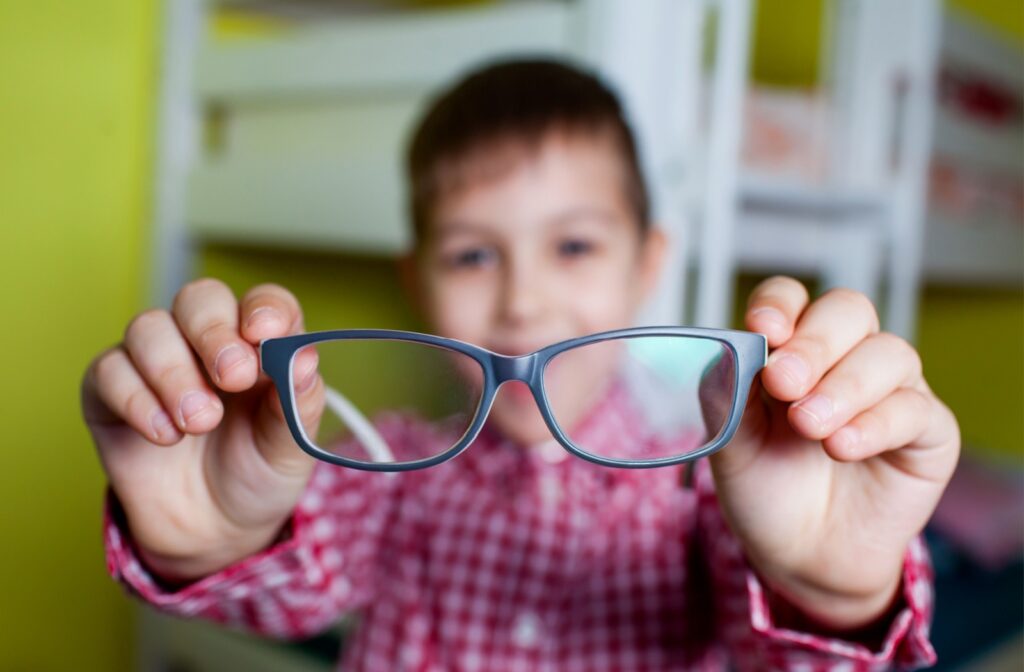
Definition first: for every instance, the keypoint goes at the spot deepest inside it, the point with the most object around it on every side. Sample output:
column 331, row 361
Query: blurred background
column 864, row 143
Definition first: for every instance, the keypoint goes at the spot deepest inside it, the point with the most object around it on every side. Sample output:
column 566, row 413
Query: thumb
column 271, row 433
column 750, row 436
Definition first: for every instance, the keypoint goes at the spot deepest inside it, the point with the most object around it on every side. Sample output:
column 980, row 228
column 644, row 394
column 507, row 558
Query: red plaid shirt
column 513, row 559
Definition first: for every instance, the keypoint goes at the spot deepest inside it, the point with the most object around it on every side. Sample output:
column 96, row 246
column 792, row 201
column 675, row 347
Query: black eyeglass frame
column 277, row 356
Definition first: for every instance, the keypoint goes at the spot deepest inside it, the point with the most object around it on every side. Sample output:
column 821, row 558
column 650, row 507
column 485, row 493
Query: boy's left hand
column 841, row 456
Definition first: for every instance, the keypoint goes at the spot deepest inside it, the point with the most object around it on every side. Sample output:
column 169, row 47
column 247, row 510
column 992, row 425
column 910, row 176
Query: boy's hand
column 841, row 456
column 191, row 433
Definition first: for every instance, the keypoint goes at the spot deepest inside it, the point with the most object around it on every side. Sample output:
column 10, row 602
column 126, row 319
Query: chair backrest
column 882, row 83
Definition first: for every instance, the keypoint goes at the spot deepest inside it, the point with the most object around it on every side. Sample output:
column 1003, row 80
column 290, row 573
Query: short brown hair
column 516, row 103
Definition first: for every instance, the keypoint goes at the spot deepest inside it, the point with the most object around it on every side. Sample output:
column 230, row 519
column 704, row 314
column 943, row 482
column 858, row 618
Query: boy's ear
column 653, row 250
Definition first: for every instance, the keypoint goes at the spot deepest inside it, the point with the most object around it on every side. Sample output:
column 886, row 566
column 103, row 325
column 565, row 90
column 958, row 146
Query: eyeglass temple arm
column 362, row 428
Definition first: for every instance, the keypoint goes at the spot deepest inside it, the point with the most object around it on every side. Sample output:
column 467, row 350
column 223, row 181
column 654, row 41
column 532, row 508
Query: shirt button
column 526, row 630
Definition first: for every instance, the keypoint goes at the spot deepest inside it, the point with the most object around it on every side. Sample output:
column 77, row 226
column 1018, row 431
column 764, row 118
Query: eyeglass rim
column 749, row 350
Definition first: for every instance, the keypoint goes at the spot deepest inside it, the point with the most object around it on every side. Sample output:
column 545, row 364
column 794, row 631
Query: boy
column 797, row 547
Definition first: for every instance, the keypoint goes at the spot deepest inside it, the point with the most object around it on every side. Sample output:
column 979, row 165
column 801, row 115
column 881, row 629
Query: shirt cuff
column 212, row 595
column 906, row 642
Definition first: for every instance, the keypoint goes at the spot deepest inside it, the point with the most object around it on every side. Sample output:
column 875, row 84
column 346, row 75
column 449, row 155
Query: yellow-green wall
column 77, row 82
column 1005, row 16
column 787, row 34
column 787, row 37
column 972, row 345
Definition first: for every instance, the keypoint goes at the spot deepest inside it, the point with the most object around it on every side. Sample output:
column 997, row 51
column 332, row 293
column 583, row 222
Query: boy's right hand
column 191, row 434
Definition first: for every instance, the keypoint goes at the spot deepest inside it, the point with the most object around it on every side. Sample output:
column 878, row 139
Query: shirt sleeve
column 322, row 565
column 756, row 637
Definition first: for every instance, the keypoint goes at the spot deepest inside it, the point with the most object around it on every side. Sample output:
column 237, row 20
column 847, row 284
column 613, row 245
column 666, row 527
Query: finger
column 164, row 359
column 827, row 330
column 774, row 307
column 934, row 453
column 896, row 421
column 113, row 390
column 269, row 311
column 207, row 313
column 873, row 370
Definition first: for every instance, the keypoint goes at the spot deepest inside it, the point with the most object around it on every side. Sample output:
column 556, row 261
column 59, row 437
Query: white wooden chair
column 863, row 227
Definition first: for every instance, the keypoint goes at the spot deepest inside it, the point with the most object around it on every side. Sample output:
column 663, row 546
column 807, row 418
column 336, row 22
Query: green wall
column 787, row 34
column 787, row 41
column 336, row 291
column 75, row 152
column 972, row 345
column 1005, row 16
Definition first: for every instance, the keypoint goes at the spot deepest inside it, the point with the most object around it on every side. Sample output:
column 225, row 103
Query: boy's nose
column 522, row 298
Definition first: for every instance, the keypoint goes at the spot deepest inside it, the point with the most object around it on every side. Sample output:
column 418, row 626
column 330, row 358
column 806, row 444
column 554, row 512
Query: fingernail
column 262, row 318
column 162, row 426
column 192, row 405
column 229, row 357
column 846, row 438
column 793, row 367
column 818, row 406
column 770, row 317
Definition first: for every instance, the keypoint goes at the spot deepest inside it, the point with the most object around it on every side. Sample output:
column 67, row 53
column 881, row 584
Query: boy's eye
column 574, row 247
column 472, row 257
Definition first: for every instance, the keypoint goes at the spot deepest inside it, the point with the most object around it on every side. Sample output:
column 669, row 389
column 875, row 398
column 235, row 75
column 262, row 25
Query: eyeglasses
column 689, row 384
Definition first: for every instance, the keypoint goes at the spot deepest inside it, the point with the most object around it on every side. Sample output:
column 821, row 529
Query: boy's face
column 546, row 250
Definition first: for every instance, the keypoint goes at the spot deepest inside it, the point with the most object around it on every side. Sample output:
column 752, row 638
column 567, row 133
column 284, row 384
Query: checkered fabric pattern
column 507, row 558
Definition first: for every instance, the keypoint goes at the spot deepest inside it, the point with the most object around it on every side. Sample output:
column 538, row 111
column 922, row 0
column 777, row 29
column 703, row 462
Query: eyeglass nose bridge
column 507, row 368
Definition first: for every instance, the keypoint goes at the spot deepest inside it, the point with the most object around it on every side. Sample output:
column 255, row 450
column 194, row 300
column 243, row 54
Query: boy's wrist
column 805, row 604
column 175, row 572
